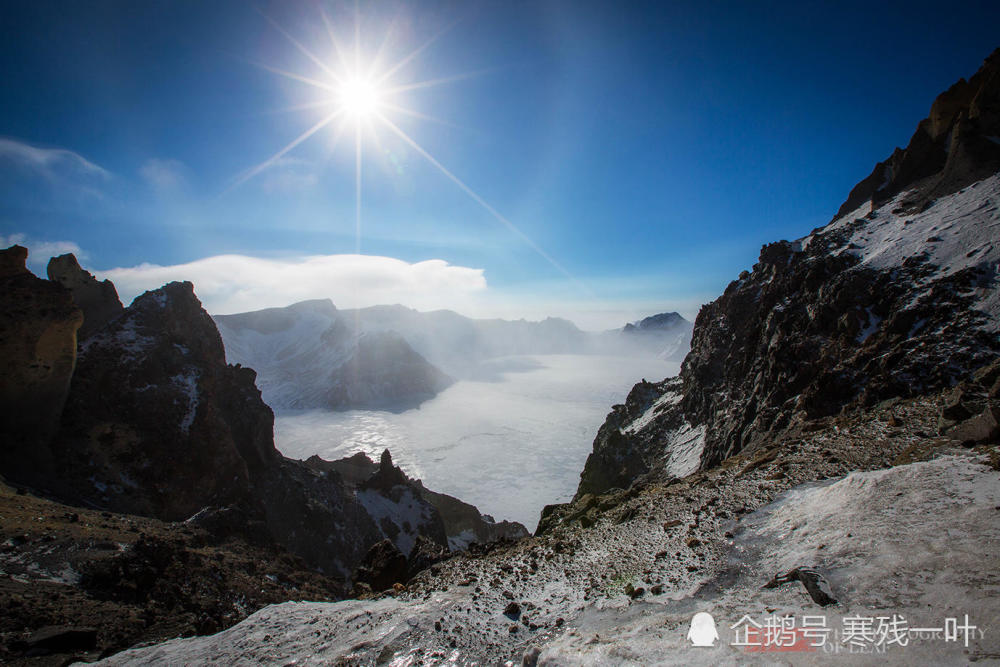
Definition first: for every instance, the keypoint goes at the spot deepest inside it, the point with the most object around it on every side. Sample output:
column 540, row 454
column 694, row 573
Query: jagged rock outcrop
column 97, row 299
column 463, row 523
column 896, row 297
column 38, row 331
column 156, row 422
column 955, row 146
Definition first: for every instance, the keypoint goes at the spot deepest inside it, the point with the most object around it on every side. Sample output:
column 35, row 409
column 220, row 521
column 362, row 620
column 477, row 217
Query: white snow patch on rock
column 659, row 405
column 960, row 231
column 408, row 514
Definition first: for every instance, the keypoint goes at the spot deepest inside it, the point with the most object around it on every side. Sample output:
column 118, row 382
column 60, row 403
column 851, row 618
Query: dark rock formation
column 384, row 372
column 617, row 459
column 656, row 323
column 815, row 584
column 463, row 523
column 38, row 326
column 667, row 335
column 156, row 422
column 950, row 149
column 382, row 567
column 98, row 300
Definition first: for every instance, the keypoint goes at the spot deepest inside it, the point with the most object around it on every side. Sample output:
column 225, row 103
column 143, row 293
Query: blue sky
column 647, row 150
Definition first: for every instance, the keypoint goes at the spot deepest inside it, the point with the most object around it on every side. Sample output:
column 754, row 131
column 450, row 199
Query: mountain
column 829, row 451
column 309, row 356
column 896, row 297
column 312, row 355
column 668, row 335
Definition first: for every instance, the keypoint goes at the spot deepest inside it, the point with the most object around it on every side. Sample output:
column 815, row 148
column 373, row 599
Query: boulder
column 382, row 567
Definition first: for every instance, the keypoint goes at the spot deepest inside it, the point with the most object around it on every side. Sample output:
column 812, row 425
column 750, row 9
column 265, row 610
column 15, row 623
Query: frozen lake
column 510, row 443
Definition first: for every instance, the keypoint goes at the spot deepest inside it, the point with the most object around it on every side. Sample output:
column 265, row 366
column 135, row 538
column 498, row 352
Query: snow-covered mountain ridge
column 312, row 355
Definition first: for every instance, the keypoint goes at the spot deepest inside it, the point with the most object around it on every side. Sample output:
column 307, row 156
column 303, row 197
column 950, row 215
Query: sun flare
column 359, row 97
column 359, row 90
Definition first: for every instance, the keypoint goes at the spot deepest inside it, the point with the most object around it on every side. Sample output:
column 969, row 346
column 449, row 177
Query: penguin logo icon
column 703, row 632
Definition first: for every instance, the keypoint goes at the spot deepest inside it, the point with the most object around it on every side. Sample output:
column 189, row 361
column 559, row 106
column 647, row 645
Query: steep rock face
column 97, row 299
column 38, row 327
column 896, row 297
column 156, row 422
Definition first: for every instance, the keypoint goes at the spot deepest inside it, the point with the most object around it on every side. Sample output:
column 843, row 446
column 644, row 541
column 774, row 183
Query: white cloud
column 49, row 161
column 237, row 283
column 40, row 252
column 164, row 175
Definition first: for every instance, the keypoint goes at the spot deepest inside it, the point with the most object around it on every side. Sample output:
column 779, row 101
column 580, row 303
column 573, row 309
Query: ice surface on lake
column 509, row 446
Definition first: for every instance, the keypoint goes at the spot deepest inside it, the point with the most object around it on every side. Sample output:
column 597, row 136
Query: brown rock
column 38, row 325
column 98, row 300
column 984, row 427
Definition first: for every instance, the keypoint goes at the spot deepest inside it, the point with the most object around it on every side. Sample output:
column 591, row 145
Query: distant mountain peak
column 658, row 322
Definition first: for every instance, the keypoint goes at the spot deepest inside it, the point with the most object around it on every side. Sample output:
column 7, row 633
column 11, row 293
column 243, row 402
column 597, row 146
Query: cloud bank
column 49, row 161
column 237, row 283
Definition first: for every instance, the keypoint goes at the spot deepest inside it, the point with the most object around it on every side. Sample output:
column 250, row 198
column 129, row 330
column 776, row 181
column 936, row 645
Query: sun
column 360, row 98
column 358, row 92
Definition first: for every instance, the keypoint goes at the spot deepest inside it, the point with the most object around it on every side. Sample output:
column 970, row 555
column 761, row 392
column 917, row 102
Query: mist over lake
column 509, row 443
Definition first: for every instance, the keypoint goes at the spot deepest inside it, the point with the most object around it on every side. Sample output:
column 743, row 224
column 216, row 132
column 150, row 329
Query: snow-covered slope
column 916, row 542
column 961, row 231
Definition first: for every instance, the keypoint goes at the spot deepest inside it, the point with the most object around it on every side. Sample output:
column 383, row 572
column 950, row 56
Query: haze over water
column 509, row 444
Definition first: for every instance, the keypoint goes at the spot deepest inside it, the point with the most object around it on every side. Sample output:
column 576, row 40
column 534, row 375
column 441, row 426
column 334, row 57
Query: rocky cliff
column 97, row 299
column 896, row 297
column 144, row 416
column 38, row 330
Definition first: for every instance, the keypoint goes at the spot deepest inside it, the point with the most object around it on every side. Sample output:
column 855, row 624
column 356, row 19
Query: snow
column 960, row 231
column 188, row 384
column 684, row 450
column 682, row 446
column 921, row 541
column 659, row 405
column 873, row 323
column 408, row 514
column 462, row 541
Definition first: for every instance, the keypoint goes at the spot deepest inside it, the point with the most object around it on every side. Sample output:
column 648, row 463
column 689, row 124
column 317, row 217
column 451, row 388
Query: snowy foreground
column 916, row 544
